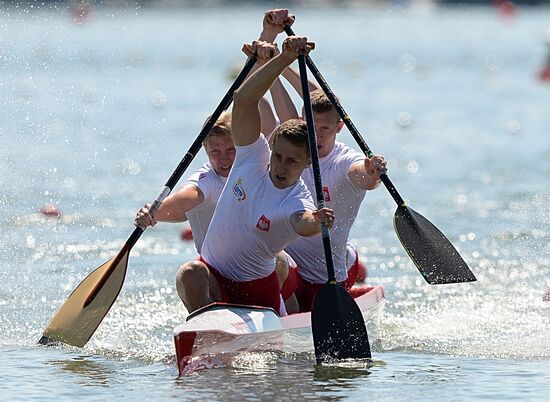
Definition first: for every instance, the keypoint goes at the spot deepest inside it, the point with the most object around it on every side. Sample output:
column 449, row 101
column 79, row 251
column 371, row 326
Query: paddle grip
column 156, row 204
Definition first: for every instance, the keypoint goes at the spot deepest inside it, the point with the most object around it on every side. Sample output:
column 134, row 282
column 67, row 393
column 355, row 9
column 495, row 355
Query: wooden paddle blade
column 432, row 253
column 339, row 330
column 75, row 324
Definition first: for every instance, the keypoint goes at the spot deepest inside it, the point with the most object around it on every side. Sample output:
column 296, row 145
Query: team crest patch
column 326, row 194
column 263, row 224
column 202, row 176
column 238, row 190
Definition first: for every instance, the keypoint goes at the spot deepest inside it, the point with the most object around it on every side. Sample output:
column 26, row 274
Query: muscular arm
column 175, row 206
column 284, row 107
column 293, row 78
column 308, row 223
column 304, row 223
column 172, row 209
column 246, row 121
column 273, row 24
column 366, row 174
column 269, row 122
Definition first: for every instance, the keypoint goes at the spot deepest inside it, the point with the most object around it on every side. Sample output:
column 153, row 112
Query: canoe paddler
column 346, row 175
column 196, row 201
column 263, row 207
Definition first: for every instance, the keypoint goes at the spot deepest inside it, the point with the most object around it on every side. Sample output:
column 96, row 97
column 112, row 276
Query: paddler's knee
column 192, row 272
column 281, row 267
column 192, row 284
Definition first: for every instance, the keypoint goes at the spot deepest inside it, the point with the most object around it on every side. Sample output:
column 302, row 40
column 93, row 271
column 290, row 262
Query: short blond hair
column 294, row 131
column 222, row 127
column 320, row 103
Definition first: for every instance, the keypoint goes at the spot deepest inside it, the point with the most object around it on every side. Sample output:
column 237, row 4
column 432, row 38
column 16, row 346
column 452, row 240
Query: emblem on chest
column 238, row 190
column 263, row 224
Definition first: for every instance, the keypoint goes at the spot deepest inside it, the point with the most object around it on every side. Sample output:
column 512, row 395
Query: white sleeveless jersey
column 251, row 223
column 344, row 197
column 211, row 184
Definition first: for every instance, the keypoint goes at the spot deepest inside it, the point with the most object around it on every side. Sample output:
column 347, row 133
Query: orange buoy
column 187, row 234
column 544, row 74
column 507, row 9
column 51, row 211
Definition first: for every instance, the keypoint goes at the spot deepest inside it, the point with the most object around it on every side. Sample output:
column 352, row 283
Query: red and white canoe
column 229, row 328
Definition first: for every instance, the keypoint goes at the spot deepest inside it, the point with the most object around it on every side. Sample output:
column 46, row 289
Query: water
column 96, row 116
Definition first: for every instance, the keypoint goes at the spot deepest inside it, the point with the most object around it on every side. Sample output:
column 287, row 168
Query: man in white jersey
column 197, row 199
column 264, row 206
column 346, row 176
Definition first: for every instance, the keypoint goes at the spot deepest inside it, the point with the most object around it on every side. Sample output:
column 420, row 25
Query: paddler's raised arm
column 264, row 52
column 293, row 78
column 274, row 23
column 282, row 102
column 246, row 116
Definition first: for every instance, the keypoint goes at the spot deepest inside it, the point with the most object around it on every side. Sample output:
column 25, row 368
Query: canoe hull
column 229, row 328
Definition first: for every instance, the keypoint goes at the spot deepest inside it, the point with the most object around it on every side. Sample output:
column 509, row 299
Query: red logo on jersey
column 263, row 224
column 326, row 194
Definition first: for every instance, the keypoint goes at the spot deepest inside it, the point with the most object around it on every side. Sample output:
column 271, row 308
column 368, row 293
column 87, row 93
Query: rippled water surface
column 95, row 116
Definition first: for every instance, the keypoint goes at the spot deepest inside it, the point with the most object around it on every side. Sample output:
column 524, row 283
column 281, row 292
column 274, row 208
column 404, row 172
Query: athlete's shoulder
column 301, row 191
column 207, row 180
column 203, row 171
column 344, row 154
column 256, row 153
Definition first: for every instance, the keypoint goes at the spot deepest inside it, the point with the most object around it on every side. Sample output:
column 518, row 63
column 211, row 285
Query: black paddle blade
column 75, row 323
column 432, row 253
column 339, row 330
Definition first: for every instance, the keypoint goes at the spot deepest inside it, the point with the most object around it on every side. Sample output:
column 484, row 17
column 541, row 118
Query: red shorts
column 306, row 291
column 263, row 292
column 291, row 283
column 352, row 273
